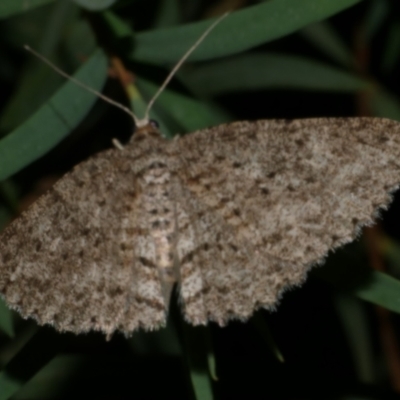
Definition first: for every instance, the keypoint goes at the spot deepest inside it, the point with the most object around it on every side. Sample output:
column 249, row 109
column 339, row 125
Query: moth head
column 149, row 127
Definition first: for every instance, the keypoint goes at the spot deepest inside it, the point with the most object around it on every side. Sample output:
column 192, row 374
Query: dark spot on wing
column 147, row 263
column 6, row 257
column 290, row 188
column 233, row 247
column 157, row 164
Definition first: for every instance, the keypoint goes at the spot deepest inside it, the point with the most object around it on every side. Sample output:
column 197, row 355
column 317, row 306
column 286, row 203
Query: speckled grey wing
column 264, row 201
column 80, row 257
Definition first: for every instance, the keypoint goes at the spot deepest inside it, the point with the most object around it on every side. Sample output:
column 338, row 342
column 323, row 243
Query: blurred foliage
column 268, row 59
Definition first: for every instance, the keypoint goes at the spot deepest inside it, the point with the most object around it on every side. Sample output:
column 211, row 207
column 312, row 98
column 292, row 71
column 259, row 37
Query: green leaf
column 8, row 385
column 375, row 17
column 54, row 120
column 380, row 289
column 385, row 105
column 95, row 5
column 30, row 91
column 391, row 54
column 25, row 332
column 53, row 379
column 6, row 323
column 264, row 22
column 168, row 13
column 261, row 71
column 29, row 361
column 197, row 352
column 325, row 38
column 356, row 327
column 347, row 270
column 117, row 25
column 11, row 7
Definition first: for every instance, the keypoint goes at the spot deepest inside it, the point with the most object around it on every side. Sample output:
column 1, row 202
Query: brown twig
column 118, row 71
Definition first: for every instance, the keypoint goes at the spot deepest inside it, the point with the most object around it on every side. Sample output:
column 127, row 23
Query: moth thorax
column 160, row 215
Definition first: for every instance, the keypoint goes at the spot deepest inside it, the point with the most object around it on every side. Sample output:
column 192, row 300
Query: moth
column 234, row 215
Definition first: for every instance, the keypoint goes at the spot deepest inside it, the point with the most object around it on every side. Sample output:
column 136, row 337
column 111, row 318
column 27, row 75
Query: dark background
column 332, row 342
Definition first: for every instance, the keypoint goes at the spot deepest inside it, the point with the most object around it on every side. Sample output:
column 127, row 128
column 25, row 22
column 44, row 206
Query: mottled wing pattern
column 261, row 202
column 82, row 257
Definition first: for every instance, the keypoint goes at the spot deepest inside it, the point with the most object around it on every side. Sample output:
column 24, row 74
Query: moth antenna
column 145, row 120
column 82, row 85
